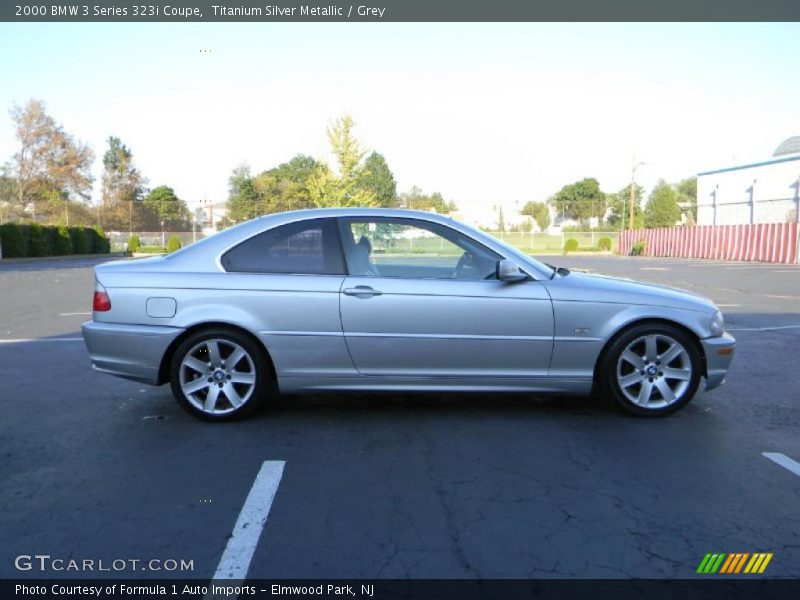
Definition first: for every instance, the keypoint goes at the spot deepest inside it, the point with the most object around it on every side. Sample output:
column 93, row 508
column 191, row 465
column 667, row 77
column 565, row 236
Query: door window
column 412, row 249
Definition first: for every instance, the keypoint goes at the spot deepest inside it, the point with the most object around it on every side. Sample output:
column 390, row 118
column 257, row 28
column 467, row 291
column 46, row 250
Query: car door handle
column 361, row 290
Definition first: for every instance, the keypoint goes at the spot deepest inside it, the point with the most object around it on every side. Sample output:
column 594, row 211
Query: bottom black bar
column 720, row 587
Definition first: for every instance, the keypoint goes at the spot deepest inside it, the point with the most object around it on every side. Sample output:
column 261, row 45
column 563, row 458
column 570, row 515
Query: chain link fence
column 534, row 242
column 119, row 239
column 531, row 243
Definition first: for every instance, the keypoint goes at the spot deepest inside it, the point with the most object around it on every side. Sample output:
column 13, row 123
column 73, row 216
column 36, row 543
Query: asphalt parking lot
column 395, row 486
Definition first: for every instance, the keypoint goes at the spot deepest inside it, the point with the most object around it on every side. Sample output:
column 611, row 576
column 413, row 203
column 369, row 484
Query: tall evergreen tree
column 662, row 207
column 377, row 178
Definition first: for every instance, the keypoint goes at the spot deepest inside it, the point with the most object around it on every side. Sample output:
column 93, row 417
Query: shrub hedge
column 604, row 243
column 61, row 243
column 638, row 248
column 133, row 243
column 571, row 245
column 173, row 244
column 152, row 250
column 22, row 240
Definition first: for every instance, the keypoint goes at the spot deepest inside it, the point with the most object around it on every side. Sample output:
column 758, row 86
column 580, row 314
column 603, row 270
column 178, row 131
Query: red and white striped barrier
column 765, row 242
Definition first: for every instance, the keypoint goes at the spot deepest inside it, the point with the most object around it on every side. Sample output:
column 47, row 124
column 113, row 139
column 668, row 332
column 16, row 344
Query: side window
column 414, row 249
column 305, row 248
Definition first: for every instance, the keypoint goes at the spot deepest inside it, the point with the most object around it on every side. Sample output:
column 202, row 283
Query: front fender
column 583, row 329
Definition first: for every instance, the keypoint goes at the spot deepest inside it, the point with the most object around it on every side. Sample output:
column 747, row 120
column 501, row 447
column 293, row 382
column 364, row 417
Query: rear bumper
column 719, row 353
column 129, row 351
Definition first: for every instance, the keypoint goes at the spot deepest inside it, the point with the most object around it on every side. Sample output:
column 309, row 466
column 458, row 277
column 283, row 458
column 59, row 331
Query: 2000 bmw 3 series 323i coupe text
column 383, row 299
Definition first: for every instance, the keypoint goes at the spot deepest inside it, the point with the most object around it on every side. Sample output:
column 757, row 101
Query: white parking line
column 25, row 340
column 239, row 550
column 762, row 266
column 73, row 314
column 784, row 461
column 768, row 328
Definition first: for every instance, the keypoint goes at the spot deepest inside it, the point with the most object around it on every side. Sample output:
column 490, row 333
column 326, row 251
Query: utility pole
column 633, row 191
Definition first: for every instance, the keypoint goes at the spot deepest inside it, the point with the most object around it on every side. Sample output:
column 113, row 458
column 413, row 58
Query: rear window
column 305, row 248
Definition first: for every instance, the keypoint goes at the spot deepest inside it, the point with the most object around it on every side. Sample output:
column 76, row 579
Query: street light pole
column 633, row 191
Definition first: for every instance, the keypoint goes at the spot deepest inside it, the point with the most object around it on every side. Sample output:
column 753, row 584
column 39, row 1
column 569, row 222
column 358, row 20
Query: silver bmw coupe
column 384, row 299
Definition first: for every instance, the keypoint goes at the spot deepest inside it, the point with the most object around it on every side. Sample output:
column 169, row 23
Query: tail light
column 101, row 302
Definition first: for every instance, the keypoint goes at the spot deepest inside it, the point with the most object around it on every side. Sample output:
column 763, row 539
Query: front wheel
column 219, row 375
column 652, row 370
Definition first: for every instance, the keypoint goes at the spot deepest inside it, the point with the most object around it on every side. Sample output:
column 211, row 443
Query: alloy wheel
column 654, row 371
column 217, row 376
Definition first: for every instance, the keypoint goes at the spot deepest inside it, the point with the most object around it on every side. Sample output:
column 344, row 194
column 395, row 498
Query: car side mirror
column 508, row 271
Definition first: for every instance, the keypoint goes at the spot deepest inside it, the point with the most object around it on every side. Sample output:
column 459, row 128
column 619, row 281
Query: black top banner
column 400, row 10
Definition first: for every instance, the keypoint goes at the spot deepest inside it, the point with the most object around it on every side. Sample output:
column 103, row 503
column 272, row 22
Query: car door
column 421, row 299
column 284, row 284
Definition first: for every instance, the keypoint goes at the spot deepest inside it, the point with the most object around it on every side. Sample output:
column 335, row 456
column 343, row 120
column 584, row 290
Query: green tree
column 416, row 199
column 619, row 205
column 662, row 207
column 298, row 170
column 242, row 197
column 581, row 200
column 376, row 178
column 163, row 206
column 687, row 198
column 341, row 188
column 539, row 212
column 286, row 187
column 123, row 187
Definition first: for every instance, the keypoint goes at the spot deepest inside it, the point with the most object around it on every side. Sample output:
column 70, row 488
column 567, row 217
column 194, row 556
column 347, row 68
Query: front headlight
column 717, row 324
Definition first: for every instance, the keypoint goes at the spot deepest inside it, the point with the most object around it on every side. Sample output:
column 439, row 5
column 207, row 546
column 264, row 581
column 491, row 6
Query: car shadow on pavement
column 440, row 403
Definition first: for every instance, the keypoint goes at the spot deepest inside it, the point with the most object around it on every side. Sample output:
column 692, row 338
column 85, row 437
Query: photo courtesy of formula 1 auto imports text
column 420, row 299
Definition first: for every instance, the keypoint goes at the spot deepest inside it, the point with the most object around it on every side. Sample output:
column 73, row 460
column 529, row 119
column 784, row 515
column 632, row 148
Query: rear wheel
column 219, row 375
column 652, row 370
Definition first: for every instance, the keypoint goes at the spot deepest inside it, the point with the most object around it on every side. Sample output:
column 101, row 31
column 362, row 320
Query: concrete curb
column 28, row 259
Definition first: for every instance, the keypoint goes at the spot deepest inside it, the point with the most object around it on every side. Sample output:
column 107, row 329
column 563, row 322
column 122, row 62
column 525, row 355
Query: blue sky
column 484, row 113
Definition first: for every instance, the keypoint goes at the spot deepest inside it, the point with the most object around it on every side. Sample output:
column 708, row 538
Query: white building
column 763, row 192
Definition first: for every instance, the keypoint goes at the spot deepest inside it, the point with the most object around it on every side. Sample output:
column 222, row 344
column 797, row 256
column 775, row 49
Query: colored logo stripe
column 758, row 563
column 734, row 563
column 710, row 563
column 725, row 563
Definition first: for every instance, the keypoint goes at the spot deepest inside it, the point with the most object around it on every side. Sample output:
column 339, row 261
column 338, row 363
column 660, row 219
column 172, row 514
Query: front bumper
column 129, row 351
column 719, row 353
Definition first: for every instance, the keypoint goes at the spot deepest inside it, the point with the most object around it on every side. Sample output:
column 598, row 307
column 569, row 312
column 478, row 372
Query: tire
column 208, row 386
column 652, row 370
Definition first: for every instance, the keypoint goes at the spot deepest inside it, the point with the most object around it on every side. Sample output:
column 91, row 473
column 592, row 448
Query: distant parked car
column 382, row 299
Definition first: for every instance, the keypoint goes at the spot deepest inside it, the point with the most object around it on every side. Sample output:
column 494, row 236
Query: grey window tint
column 414, row 250
column 307, row 247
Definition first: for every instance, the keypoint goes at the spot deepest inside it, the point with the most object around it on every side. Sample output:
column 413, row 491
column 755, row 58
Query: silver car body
column 544, row 334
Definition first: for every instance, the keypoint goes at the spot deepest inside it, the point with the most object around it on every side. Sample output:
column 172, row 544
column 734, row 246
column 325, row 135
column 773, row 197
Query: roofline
column 358, row 210
column 221, row 242
column 750, row 166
